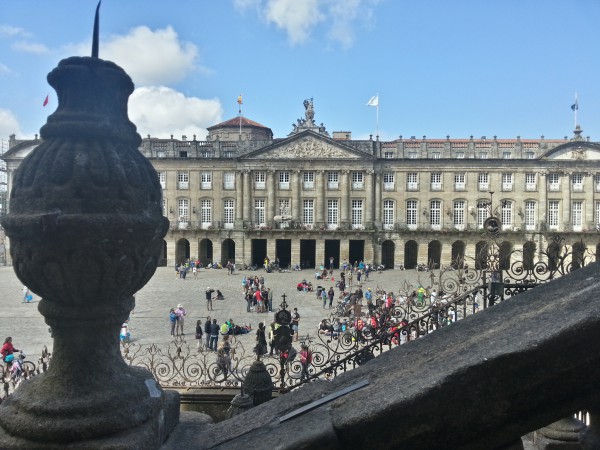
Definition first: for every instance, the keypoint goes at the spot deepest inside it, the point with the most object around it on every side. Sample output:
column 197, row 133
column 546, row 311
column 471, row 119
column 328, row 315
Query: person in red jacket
column 305, row 360
column 8, row 349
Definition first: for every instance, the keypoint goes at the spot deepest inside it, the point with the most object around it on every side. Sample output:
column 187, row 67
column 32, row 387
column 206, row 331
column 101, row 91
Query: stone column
column 344, row 197
column 297, row 190
column 423, row 251
column 543, row 203
column 239, row 199
column 295, row 256
column 566, row 203
column 344, row 251
column 271, row 210
column 369, row 200
column 378, row 219
column 321, row 203
column 194, row 247
column 87, row 190
column 247, row 204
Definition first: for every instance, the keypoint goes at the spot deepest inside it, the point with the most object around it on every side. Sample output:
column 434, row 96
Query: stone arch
column 162, row 260
column 434, row 254
column 182, row 250
column 205, row 251
column 227, row 251
column 411, row 254
column 458, row 253
column 504, row 253
column 481, row 255
column 529, row 248
column 387, row 253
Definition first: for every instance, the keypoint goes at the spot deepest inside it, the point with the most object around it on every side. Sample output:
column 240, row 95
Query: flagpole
column 377, row 126
column 240, row 112
column 576, row 109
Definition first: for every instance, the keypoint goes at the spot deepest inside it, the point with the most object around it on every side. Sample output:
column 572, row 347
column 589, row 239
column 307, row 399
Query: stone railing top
column 480, row 383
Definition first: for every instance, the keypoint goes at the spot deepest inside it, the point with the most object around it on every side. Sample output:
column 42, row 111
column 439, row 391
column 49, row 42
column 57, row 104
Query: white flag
column 373, row 101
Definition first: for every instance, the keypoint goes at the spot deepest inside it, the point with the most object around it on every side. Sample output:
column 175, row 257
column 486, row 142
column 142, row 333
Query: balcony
column 308, row 185
column 163, row 184
column 412, row 186
column 460, row 186
column 577, row 187
column 358, row 185
column 333, row 185
column 229, row 185
column 183, row 185
column 206, row 185
column 260, row 185
column 530, row 187
column 388, row 186
column 483, row 187
column 554, row 187
column 284, row 185
column 507, row 187
column 436, row 186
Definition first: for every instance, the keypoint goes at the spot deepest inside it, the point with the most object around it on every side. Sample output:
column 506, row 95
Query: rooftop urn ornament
column 86, row 230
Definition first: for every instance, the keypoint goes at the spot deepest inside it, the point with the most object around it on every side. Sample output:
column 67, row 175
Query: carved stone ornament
column 578, row 154
column 86, row 230
column 308, row 147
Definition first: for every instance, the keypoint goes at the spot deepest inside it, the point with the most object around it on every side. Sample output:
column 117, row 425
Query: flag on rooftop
column 45, row 101
column 575, row 106
column 373, row 101
column 239, row 100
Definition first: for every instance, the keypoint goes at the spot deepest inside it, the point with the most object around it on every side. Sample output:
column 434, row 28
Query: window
column 411, row 214
column 308, row 212
column 507, row 181
column 554, row 181
column 260, row 180
column 183, row 180
column 577, row 215
column 162, row 179
column 308, row 180
column 388, row 155
column 530, row 182
column 183, row 212
column 530, row 215
column 333, row 180
column 435, row 155
column 284, row 180
column 285, row 211
column 357, row 180
column 459, row 182
column 506, row 155
column 259, row 212
column 388, row 181
column 388, row 215
column 435, row 214
column 164, row 207
column 161, row 154
column 412, row 155
column 436, row 181
column 597, row 214
column 412, row 181
column 460, row 155
column 229, row 180
column 205, row 213
column 482, row 213
column 529, row 155
column 228, row 213
column 183, row 154
column 206, row 180
column 228, row 154
column 597, row 182
column 483, row 181
column 458, row 215
column 483, row 155
column 332, row 214
column 577, row 182
column 507, row 215
column 357, row 214
column 553, row 214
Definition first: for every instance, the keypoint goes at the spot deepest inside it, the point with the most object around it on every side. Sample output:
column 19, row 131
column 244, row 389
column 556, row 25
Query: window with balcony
column 332, row 214
column 183, row 180
column 308, row 180
column 507, row 182
column 388, row 215
column 183, row 213
column 577, row 215
column 412, row 181
column 553, row 214
column 259, row 212
column 229, row 180
column 260, row 180
column 228, row 213
column 507, row 215
column 529, row 155
column 482, row 213
column 554, row 182
column 436, row 155
column 460, row 181
column 358, row 181
column 506, row 155
column 530, row 215
column 458, row 214
column 388, row 155
column 577, row 182
column 483, row 181
column 162, row 179
column 436, row 181
column 412, row 214
column 357, row 214
column 206, row 213
column 285, row 212
column 412, row 155
column 284, row 180
column 333, row 180
column 530, row 182
column 388, row 181
column 435, row 214
column 483, row 155
column 460, row 155
column 308, row 213
column 206, row 180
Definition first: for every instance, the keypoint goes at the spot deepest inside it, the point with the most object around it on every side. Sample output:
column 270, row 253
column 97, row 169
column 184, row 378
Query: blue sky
column 463, row 67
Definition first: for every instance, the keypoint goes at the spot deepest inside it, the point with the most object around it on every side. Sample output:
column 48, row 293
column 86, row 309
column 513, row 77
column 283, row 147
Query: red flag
column 45, row 101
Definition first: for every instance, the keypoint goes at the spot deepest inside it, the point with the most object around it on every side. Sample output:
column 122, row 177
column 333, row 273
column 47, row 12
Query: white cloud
column 30, row 47
column 9, row 124
column 161, row 111
column 4, row 69
column 8, row 30
column 297, row 18
column 151, row 57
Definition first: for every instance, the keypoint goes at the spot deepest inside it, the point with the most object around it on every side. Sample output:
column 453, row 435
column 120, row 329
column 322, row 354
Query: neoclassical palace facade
column 243, row 195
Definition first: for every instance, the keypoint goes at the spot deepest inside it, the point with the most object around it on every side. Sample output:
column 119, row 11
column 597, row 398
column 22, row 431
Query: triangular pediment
column 307, row 146
column 575, row 150
column 21, row 150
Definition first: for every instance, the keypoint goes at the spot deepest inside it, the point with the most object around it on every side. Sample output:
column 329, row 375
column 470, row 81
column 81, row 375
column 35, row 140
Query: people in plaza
column 223, row 361
column 330, row 295
column 295, row 323
column 195, row 271
column 272, row 328
column 209, row 298
column 331, row 260
column 207, row 328
column 305, row 360
column 261, row 340
column 259, row 300
column 172, row 320
column 27, row 297
column 324, row 297
column 7, row 350
column 125, row 335
column 214, row 335
column 182, row 271
column 181, row 313
column 199, row 333
column 270, row 299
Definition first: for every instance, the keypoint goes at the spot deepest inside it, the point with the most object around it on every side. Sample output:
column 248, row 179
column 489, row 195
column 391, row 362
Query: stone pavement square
column 150, row 323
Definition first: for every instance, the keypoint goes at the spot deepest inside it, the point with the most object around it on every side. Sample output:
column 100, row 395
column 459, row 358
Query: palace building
column 242, row 195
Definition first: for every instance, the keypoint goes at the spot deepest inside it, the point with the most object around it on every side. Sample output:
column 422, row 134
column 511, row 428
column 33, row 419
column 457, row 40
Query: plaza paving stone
column 149, row 322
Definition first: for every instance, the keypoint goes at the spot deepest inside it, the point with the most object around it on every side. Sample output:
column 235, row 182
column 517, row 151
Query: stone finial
column 258, row 383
